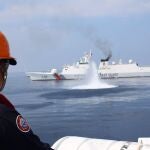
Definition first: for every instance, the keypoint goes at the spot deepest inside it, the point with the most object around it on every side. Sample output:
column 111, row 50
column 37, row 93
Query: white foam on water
column 92, row 80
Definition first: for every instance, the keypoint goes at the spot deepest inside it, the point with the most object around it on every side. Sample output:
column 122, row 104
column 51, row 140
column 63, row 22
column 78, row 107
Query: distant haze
column 48, row 34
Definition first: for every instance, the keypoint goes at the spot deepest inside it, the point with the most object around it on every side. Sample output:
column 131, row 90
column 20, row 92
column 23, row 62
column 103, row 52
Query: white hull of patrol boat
column 42, row 76
column 35, row 76
column 81, row 143
column 72, row 76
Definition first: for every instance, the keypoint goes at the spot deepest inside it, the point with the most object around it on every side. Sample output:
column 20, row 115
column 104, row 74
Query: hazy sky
column 45, row 34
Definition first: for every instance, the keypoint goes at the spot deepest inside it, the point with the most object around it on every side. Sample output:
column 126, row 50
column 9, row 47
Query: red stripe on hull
column 57, row 76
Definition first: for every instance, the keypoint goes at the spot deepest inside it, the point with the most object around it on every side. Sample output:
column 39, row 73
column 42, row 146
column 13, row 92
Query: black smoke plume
column 105, row 47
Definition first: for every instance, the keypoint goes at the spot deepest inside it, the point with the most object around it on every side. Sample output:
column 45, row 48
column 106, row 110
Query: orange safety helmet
column 4, row 50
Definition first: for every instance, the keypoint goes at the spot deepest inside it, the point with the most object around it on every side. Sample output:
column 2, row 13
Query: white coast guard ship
column 121, row 70
column 69, row 72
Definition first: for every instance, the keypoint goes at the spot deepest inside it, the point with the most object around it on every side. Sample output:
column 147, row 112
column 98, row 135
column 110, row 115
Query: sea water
column 120, row 113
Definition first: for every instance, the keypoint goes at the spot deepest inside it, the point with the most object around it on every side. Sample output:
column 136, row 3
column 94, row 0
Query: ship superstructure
column 78, row 70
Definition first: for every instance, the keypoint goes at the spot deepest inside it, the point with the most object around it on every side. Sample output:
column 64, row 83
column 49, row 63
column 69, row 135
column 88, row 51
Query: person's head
column 5, row 60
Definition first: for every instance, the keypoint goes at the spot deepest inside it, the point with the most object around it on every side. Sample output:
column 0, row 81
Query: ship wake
column 92, row 80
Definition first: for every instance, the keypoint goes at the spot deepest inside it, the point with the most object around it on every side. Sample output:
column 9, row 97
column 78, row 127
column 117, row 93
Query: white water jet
column 92, row 80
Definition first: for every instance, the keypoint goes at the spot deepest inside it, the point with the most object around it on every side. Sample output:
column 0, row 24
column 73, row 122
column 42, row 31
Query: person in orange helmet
column 15, row 132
